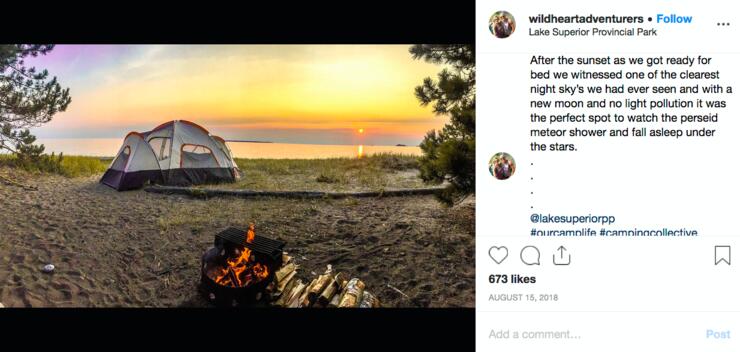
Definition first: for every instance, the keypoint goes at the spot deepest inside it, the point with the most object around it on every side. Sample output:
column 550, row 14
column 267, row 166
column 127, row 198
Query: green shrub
column 69, row 166
column 77, row 166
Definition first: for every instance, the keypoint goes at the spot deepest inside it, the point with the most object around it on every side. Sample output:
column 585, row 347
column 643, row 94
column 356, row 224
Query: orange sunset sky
column 282, row 93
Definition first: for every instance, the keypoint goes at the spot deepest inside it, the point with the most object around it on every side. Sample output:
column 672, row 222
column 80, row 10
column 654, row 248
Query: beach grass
column 66, row 165
column 77, row 166
column 375, row 172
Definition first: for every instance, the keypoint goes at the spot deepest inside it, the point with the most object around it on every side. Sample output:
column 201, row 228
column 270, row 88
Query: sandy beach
column 138, row 249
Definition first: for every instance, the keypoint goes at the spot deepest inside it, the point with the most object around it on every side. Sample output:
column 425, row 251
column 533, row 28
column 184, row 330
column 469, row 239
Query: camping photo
column 283, row 176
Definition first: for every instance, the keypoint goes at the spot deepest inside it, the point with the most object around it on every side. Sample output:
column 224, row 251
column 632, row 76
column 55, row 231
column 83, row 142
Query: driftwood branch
column 397, row 290
column 205, row 192
column 11, row 182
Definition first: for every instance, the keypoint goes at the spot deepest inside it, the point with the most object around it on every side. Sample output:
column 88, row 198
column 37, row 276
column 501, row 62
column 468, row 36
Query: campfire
column 239, row 266
column 243, row 268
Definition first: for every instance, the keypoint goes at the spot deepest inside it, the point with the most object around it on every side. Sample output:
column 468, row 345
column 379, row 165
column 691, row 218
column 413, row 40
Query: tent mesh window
column 197, row 156
column 121, row 160
column 161, row 147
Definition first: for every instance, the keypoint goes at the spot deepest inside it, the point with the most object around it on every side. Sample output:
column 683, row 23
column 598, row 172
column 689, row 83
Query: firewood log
column 281, row 284
column 328, row 293
column 284, row 271
column 316, row 290
column 286, row 258
column 298, row 293
column 369, row 300
column 232, row 277
column 352, row 294
column 287, row 294
column 285, row 285
column 304, row 302
column 280, row 298
column 294, row 298
column 341, row 279
column 335, row 300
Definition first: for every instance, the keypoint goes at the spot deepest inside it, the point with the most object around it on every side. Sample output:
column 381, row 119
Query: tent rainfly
column 179, row 153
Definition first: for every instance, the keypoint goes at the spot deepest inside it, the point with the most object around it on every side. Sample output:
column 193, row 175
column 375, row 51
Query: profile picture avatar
column 501, row 24
column 501, row 166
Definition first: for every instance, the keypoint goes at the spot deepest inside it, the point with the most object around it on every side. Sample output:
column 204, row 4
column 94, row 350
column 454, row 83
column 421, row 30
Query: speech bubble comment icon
column 530, row 255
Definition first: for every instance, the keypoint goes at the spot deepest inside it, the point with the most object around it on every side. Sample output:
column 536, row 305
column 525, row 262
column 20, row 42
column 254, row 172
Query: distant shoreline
column 370, row 145
column 239, row 147
column 246, row 141
column 118, row 140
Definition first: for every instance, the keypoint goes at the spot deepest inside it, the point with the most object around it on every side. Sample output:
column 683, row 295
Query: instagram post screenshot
column 595, row 229
column 299, row 177
column 395, row 176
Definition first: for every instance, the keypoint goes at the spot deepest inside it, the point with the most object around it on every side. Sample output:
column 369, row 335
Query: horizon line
column 41, row 139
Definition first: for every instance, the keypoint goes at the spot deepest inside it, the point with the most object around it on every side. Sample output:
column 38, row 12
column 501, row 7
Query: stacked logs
column 328, row 290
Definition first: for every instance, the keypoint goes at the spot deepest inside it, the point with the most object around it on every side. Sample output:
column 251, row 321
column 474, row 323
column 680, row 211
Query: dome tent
column 179, row 153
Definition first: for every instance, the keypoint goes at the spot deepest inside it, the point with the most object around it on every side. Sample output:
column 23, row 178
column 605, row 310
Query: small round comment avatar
column 501, row 24
column 501, row 166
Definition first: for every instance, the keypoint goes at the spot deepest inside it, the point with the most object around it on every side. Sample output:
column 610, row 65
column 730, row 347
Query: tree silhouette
column 449, row 154
column 28, row 98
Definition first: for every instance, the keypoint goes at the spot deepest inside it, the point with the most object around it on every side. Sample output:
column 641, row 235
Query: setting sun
column 361, row 131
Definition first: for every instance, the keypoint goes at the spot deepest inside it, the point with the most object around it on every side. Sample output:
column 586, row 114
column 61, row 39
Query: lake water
column 109, row 147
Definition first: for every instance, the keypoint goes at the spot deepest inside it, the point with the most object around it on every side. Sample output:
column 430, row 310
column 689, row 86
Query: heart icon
column 498, row 254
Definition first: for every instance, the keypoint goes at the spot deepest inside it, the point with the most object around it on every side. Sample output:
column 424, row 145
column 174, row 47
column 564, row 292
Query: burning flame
column 250, row 233
column 240, row 271
column 241, row 268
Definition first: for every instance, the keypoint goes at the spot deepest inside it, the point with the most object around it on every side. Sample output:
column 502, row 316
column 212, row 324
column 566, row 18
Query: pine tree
column 449, row 154
column 28, row 98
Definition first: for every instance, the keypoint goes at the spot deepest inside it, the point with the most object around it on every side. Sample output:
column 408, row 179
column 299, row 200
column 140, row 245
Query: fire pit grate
column 239, row 266
column 262, row 245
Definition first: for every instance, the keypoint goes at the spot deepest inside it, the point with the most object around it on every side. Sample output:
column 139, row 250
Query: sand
column 137, row 249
